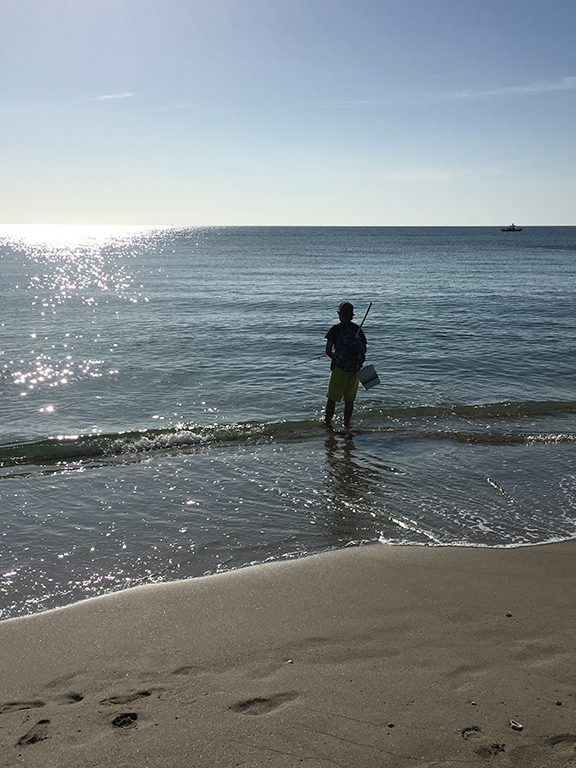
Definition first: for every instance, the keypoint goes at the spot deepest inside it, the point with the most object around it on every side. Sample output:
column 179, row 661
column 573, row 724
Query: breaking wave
column 421, row 422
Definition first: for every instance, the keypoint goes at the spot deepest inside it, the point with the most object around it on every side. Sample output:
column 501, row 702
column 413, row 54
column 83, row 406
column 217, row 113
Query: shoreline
column 374, row 655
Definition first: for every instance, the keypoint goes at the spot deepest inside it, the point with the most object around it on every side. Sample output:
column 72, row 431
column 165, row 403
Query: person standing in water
column 346, row 347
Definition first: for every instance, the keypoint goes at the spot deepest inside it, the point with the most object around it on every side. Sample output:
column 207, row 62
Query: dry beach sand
column 372, row 656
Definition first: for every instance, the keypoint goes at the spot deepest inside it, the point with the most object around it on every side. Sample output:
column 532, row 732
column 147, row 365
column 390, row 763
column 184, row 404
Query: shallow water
column 163, row 391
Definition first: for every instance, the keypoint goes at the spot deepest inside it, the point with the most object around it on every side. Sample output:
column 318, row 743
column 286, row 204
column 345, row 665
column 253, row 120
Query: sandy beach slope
column 372, row 656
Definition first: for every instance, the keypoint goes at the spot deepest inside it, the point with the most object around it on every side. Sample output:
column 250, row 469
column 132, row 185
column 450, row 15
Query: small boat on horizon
column 511, row 228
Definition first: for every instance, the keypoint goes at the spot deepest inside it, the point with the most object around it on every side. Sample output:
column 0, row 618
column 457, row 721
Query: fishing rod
column 365, row 314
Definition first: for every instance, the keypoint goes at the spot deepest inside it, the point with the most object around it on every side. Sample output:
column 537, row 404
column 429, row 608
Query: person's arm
column 330, row 349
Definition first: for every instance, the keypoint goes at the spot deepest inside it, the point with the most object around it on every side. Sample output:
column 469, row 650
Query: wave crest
column 406, row 421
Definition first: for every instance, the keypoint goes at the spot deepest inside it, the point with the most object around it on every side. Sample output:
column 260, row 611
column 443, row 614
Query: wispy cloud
column 126, row 95
column 565, row 84
column 543, row 86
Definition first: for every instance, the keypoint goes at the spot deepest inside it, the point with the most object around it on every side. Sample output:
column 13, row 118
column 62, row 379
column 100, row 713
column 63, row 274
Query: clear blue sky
column 327, row 112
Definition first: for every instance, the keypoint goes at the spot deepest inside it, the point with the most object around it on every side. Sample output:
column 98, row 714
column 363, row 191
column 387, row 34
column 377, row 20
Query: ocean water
column 162, row 394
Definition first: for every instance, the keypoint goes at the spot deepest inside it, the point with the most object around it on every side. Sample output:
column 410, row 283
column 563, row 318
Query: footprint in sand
column 188, row 670
column 473, row 732
column 562, row 738
column 37, row 733
column 563, row 746
column 13, row 706
column 126, row 698
column 260, row 706
column 70, row 698
column 125, row 720
column 490, row 750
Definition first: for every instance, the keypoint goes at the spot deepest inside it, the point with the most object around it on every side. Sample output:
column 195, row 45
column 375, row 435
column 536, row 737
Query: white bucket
column 368, row 376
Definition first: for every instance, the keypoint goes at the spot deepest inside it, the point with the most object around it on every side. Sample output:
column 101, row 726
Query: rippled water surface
column 163, row 390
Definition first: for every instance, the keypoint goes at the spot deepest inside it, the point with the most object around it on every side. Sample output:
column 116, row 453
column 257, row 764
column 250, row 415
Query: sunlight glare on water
column 66, row 235
column 68, row 268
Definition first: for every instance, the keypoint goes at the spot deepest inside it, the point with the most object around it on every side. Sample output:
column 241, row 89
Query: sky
column 288, row 112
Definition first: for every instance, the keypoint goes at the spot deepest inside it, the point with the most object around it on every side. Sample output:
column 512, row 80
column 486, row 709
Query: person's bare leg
column 348, row 408
column 330, row 408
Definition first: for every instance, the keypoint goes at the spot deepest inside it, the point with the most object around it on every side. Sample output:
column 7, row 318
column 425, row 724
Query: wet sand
column 372, row 656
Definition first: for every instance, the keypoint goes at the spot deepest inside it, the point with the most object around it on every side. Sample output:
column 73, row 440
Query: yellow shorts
column 342, row 385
